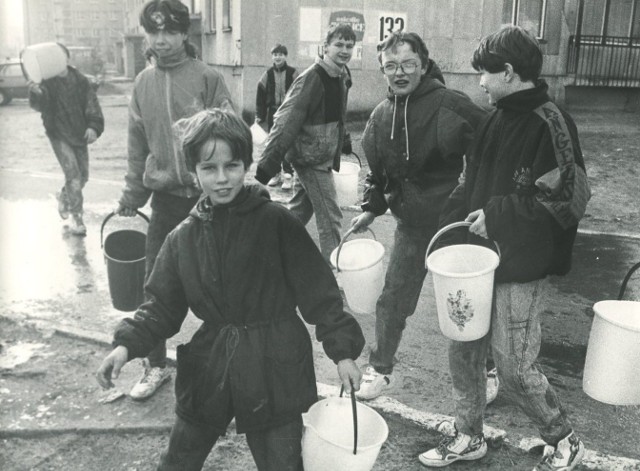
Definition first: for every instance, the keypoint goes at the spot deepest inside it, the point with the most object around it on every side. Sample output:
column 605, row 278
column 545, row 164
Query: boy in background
column 72, row 120
column 309, row 128
column 525, row 187
column 242, row 264
column 272, row 88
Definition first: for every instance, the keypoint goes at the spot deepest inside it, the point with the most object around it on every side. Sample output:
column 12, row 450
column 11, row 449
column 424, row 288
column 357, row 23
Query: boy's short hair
column 279, row 48
column 512, row 45
column 215, row 123
column 169, row 15
column 412, row 39
column 340, row 30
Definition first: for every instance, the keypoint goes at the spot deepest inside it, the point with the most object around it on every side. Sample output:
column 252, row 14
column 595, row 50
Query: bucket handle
column 354, row 411
column 357, row 157
column 626, row 280
column 454, row 226
column 344, row 239
column 109, row 216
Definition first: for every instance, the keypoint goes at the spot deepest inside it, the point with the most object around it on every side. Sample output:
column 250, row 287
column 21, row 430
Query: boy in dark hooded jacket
column 525, row 187
column 414, row 143
column 242, row 265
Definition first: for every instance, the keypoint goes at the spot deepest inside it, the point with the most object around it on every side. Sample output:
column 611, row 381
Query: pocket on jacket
column 291, row 377
column 317, row 144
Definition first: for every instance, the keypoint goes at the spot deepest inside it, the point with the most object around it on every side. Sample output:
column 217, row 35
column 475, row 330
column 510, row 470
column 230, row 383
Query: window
column 211, row 16
column 226, row 15
column 530, row 14
column 620, row 18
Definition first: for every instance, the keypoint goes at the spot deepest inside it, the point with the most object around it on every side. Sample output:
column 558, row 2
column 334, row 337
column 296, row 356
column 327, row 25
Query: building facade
column 96, row 24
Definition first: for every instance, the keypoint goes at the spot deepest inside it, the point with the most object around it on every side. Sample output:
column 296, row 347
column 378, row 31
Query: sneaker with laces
column 276, row 180
column 151, row 380
column 459, row 447
column 287, row 181
column 77, row 226
column 62, row 206
column 563, row 457
column 373, row 384
column 493, row 384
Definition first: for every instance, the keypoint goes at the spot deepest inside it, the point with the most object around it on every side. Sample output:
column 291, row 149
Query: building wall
column 450, row 28
column 93, row 23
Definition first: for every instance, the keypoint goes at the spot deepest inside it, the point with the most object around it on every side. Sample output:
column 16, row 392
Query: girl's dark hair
column 511, row 45
column 412, row 39
column 340, row 30
column 169, row 15
column 215, row 123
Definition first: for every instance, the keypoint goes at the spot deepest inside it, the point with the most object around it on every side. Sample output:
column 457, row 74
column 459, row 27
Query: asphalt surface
column 59, row 281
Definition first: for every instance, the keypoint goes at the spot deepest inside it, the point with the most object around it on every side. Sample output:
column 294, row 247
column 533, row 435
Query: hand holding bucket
column 359, row 263
column 463, row 282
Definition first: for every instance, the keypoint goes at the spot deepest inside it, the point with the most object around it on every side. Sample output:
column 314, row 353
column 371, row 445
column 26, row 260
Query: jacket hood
column 251, row 196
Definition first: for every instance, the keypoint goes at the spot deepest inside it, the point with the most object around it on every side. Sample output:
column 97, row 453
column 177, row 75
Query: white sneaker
column 276, row 180
column 493, row 384
column 151, row 380
column 564, row 457
column 460, row 447
column 373, row 384
column 77, row 226
column 287, row 181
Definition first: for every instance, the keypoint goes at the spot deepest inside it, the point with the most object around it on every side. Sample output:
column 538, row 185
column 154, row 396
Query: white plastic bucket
column 43, row 61
column 359, row 263
column 463, row 282
column 612, row 366
column 346, row 181
column 328, row 437
column 259, row 137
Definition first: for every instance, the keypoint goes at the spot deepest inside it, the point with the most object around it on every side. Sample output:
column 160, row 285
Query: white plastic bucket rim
column 375, row 254
column 490, row 258
column 331, row 403
column 618, row 313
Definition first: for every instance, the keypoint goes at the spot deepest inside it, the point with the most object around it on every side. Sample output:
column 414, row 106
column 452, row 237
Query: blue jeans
column 167, row 211
column 275, row 449
column 74, row 161
column 315, row 192
column 399, row 298
column 515, row 338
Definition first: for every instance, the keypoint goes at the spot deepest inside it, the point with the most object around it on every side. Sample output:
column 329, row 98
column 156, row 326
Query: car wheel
column 5, row 98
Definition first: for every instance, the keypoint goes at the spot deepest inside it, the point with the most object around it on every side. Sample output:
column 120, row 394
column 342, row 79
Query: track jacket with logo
column 527, row 173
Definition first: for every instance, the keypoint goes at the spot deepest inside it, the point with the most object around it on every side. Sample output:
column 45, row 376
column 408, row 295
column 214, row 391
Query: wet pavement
column 60, row 281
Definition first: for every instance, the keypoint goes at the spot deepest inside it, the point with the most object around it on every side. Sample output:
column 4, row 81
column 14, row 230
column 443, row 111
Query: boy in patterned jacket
column 525, row 187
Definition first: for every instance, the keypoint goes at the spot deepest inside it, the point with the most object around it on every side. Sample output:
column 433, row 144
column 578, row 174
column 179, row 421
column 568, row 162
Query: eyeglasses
column 390, row 68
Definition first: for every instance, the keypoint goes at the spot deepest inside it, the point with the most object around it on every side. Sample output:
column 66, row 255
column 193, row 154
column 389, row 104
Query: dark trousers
column 274, row 449
column 167, row 211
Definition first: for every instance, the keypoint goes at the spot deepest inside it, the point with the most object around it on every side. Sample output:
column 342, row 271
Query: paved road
column 47, row 274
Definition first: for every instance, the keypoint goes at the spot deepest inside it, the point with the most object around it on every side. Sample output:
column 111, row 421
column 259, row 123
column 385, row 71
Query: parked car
column 13, row 83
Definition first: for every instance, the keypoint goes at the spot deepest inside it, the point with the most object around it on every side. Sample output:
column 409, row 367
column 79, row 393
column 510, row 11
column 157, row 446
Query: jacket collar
column 525, row 100
column 330, row 67
column 250, row 197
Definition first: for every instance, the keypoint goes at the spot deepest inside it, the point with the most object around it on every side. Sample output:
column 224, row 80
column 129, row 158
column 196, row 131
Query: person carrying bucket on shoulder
column 243, row 265
column 176, row 85
column 414, row 143
column 525, row 188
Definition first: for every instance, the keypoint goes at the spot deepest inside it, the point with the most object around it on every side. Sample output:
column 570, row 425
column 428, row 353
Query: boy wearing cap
column 272, row 87
column 176, row 86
